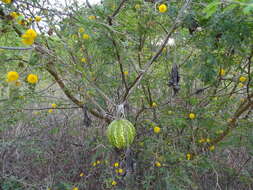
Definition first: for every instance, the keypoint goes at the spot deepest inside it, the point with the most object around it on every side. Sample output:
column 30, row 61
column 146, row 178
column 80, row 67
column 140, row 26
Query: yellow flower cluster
column 96, row 163
column 222, row 72
column 188, row 156
column 12, row 76
column 157, row 129
column 120, row 170
column 83, row 60
column 37, row 19
column 32, row 78
column 54, row 106
column 242, row 79
column 192, row 115
column 114, row 183
column 6, row 1
column 81, row 174
column 162, row 8
column 158, row 164
column 86, row 36
column 29, row 36
column 116, row 164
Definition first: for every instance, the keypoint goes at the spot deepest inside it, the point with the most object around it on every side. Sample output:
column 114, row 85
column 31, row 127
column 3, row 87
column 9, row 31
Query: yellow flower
column 192, row 116
column 222, row 72
column 53, row 105
column 86, row 36
column 30, row 19
column 81, row 30
column 83, row 60
column 14, row 15
column 157, row 164
column 81, row 174
column 116, row 164
column 202, row 140
column 188, row 156
column 32, row 33
column 241, row 85
column 75, row 188
column 114, row 182
column 37, row 19
column 12, row 76
column 50, row 111
column 242, row 79
column 92, row 17
column 27, row 41
column 137, row 6
column 94, row 164
column 212, row 147
column 157, row 129
column 6, row 1
column 208, row 140
column 32, row 78
column 154, row 104
column 120, row 171
column 29, row 36
column 125, row 72
column 162, row 8
column 98, row 162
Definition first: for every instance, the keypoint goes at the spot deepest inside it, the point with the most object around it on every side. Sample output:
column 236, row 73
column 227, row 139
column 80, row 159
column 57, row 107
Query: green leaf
column 248, row 9
column 211, row 9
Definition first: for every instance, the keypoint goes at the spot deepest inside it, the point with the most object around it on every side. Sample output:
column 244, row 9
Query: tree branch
column 232, row 124
column 50, row 68
column 110, row 18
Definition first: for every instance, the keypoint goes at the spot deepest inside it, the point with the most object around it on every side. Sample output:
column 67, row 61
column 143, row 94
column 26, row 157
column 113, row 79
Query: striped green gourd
column 121, row 133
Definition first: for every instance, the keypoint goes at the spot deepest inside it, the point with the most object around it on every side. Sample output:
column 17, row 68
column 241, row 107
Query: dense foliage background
column 182, row 76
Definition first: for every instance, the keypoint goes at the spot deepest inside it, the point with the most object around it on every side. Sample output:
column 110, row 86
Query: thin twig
column 16, row 48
